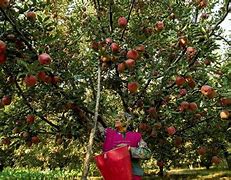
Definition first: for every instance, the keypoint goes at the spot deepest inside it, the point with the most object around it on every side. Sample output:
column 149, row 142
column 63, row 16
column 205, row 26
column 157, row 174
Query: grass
column 184, row 174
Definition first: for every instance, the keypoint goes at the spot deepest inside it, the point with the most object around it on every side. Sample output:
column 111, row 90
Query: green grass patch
column 31, row 174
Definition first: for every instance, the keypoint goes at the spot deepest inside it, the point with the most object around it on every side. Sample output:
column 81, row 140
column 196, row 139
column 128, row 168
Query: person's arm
column 142, row 151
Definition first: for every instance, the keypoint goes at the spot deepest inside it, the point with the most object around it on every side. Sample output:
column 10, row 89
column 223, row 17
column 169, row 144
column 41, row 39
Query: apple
column 180, row 80
column 202, row 3
column 193, row 106
column 140, row 48
column 108, row 40
column 159, row 25
column 204, row 16
column 148, row 31
column 2, row 47
column 95, row 45
column 130, row 63
column 184, row 105
column 30, row 119
column 4, row 3
column 178, row 141
column 47, row 79
column 30, row 80
column 152, row 112
column 121, row 67
column 183, row 41
column 206, row 90
column 2, row 58
column 55, row 79
column 133, row 86
column 191, row 52
column 224, row 114
column 143, row 127
column 216, row 160
column 35, row 139
column 201, row 150
column 6, row 141
column 41, row 75
column 225, row 101
column 6, row 100
column 44, row 59
column 115, row 47
column 212, row 95
column 140, row 103
column 183, row 92
column 132, row 54
column 171, row 130
column 122, row 22
column 31, row 16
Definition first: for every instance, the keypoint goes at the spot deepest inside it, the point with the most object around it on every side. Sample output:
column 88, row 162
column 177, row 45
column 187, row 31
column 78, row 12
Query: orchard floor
column 180, row 174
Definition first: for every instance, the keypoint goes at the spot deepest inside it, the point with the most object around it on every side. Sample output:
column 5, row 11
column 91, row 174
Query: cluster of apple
column 202, row 150
column 225, row 113
column 2, row 52
column 31, row 80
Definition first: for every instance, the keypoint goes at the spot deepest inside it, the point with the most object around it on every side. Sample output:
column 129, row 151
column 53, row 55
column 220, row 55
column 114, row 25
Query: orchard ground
column 196, row 173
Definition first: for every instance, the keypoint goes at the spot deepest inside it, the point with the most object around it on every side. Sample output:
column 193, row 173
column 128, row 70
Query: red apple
column 108, row 40
column 55, row 79
column 130, row 63
column 180, row 80
column 6, row 100
column 183, row 92
column 4, row 3
column 225, row 101
column 47, row 79
column 202, row 3
column 159, row 25
column 207, row 62
column 193, row 106
column 201, row 150
column 132, row 54
column 121, row 67
column 30, row 119
column 178, row 141
column 191, row 52
column 132, row 87
column 30, row 80
column 115, row 47
column 35, row 139
column 31, row 16
column 216, row 160
column 206, row 90
column 6, row 141
column 2, row 58
column 44, row 59
column 184, row 105
column 143, row 127
column 41, row 75
column 224, row 114
column 2, row 47
column 122, row 22
column 95, row 45
column 152, row 112
column 171, row 130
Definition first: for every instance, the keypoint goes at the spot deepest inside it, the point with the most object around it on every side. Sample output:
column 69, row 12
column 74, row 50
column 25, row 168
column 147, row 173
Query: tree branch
column 128, row 18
